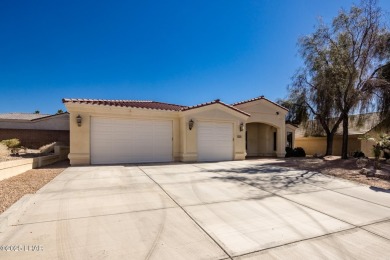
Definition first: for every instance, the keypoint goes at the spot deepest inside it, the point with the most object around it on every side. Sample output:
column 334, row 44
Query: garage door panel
column 130, row 141
column 215, row 141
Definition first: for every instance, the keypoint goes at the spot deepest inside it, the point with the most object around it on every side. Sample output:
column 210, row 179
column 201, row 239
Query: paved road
column 240, row 210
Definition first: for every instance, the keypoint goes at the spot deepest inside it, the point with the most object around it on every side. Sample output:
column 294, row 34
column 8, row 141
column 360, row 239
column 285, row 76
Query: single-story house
column 134, row 131
column 311, row 137
column 35, row 130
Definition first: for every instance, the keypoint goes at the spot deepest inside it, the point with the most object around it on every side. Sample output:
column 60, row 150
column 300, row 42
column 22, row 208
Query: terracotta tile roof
column 126, row 103
column 22, row 116
column 258, row 98
column 146, row 104
column 217, row 101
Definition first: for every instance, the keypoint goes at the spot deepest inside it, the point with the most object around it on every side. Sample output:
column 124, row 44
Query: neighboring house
column 312, row 138
column 35, row 130
column 133, row 131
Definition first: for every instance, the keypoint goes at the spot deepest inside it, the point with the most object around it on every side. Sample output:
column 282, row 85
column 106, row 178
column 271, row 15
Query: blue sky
column 183, row 52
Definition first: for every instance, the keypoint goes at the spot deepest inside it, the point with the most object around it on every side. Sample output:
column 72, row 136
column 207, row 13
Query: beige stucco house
column 128, row 131
column 35, row 130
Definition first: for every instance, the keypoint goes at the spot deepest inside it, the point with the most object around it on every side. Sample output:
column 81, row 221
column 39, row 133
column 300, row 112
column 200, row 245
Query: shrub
column 386, row 155
column 289, row 152
column 299, row 152
column 296, row 152
column 358, row 154
column 11, row 143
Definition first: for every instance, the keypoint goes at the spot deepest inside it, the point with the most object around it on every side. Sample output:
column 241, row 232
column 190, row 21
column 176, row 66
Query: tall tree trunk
column 329, row 143
column 344, row 148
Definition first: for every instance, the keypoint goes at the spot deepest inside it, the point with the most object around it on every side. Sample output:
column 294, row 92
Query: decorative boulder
column 367, row 172
column 361, row 162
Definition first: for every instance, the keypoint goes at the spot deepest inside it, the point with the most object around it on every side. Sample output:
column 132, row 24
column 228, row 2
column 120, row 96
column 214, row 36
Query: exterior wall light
column 191, row 124
column 241, row 127
column 79, row 120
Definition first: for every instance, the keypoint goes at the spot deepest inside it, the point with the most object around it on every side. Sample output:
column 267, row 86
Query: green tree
column 341, row 60
column 297, row 111
column 381, row 86
column 310, row 92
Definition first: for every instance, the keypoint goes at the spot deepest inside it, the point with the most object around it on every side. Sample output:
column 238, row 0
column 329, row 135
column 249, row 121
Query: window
column 274, row 141
column 289, row 140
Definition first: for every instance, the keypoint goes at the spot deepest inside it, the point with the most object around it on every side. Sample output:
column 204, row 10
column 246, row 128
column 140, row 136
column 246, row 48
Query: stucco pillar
column 281, row 141
column 189, row 139
column 79, row 139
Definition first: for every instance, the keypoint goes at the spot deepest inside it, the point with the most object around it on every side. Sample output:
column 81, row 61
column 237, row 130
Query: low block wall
column 317, row 145
column 12, row 168
column 45, row 160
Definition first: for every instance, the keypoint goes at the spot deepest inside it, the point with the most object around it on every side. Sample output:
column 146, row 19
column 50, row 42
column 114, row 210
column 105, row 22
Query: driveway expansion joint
column 230, row 257
column 335, row 190
column 298, row 241
column 280, row 196
column 95, row 216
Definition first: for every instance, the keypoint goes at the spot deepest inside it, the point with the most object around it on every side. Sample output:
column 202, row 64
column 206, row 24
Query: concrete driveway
column 240, row 210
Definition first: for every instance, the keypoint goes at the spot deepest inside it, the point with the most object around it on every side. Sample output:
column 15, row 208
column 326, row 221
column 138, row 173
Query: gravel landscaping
column 335, row 166
column 12, row 189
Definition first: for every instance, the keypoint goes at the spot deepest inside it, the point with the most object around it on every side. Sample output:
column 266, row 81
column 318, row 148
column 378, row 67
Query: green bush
column 296, row 152
column 11, row 143
column 289, row 152
column 358, row 154
column 299, row 152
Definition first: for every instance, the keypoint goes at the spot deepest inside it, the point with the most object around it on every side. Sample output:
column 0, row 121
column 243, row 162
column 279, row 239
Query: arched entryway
column 261, row 140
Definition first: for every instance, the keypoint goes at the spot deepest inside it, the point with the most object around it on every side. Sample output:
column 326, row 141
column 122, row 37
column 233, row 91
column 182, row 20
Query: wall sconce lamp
column 191, row 124
column 277, row 113
column 79, row 120
column 241, row 127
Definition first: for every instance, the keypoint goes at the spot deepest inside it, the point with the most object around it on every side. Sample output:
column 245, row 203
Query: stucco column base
column 79, row 159
column 239, row 156
column 280, row 155
column 193, row 157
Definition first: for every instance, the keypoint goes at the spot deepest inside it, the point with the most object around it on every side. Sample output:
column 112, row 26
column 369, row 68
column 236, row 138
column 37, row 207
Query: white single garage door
column 215, row 141
column 130, row 141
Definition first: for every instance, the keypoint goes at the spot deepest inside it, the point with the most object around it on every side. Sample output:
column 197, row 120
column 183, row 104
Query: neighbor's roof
column 146, row 104
column 22, row 116
column 217, row 101
column 258, row 98
column 126, row 103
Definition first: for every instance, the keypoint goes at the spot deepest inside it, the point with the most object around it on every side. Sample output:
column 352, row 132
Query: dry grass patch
column 29, row 182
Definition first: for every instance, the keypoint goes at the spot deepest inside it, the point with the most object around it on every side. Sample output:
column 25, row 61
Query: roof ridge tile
column 146, row 104
column 216, row 101
column 258, row 98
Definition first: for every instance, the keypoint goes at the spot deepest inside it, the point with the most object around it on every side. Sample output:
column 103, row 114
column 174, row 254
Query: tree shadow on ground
column 267, row 177
column 379, row 189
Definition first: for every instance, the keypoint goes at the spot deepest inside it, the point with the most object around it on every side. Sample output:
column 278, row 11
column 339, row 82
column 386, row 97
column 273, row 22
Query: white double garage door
column 139, row 141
